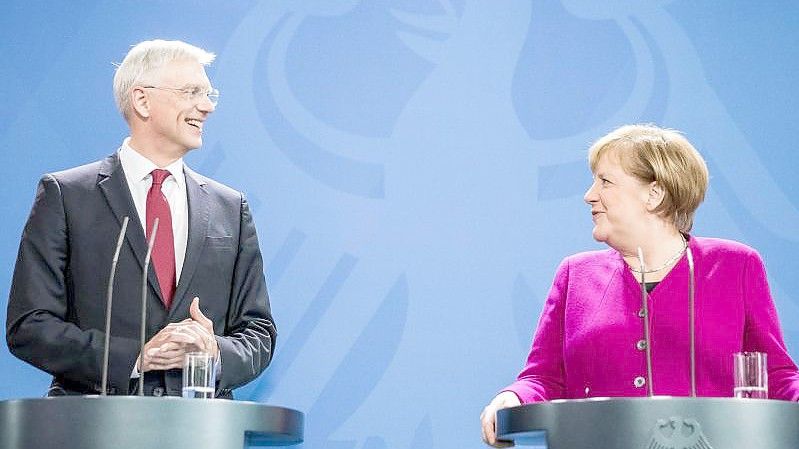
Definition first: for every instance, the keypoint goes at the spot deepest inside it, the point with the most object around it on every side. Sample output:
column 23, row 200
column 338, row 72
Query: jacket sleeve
column 248, row 341
column 762, row 331
column 543, row 377
column 38, row 326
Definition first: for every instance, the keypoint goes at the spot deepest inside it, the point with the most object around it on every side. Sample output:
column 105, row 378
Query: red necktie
column 163, row 255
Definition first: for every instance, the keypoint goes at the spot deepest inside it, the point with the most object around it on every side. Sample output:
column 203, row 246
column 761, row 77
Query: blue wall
column 416, row 169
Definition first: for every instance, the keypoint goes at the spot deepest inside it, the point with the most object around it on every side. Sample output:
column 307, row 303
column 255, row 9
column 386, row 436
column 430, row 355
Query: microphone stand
column 108, row 299
column 144, row 305
column 691, row 317
column 647, row 338
column 691, row 320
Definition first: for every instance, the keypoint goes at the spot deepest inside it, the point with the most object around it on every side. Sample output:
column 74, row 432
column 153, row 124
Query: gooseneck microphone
column 645, row 307
column 691, row 317
column 691, row 320
column 144, row 305
column 108, row 301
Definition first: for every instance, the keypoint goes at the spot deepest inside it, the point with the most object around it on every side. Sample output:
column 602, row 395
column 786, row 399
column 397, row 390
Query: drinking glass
column 199, row 375
column 751, row 375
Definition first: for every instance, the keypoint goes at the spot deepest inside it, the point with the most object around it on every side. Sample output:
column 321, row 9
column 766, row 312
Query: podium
column 648, row 423
column 95, row 422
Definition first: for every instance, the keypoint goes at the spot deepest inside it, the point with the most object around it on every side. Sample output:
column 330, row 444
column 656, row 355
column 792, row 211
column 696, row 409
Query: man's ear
column 656, row 195
column 139, row 102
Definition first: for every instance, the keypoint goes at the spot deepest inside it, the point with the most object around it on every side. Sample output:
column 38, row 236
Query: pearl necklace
column 673, row 259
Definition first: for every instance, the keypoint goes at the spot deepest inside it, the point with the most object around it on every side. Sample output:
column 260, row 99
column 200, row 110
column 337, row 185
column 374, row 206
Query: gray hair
column 146, row 57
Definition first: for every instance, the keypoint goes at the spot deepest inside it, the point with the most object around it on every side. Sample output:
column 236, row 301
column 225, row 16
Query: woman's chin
column 599, row 236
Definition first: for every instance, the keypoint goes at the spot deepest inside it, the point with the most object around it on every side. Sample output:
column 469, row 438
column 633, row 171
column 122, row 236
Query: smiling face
column 176, row 121
column 618, row 203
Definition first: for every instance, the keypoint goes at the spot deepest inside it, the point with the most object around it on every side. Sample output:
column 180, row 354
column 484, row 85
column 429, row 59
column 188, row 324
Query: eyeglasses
column 192, row 93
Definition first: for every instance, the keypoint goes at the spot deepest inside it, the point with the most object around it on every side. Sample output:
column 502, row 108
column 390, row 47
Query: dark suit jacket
column 56, row 309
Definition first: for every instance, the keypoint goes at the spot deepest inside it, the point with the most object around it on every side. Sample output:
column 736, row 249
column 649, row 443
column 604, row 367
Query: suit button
column 158, row 391
column 639, row 382
column 641, row 345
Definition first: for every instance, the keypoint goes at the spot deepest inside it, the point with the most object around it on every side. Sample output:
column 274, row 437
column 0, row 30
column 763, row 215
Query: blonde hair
column 146, row 57
column 650, row 153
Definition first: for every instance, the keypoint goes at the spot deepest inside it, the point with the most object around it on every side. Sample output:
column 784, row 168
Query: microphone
column 144, row 305
column 691, row 320
column 647, row 338
column 108, row 299
column 691, row 316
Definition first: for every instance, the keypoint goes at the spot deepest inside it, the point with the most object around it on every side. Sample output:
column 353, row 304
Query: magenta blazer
column 587, row 340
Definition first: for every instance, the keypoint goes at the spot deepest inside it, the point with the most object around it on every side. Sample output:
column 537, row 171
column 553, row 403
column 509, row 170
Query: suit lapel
column 199, row 205
column 111, row 181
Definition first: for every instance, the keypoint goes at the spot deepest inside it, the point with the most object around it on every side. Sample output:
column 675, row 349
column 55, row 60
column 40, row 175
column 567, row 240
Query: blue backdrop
column 416, row 169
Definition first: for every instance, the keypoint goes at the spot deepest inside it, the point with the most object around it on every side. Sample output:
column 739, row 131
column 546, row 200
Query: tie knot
column 159, row 175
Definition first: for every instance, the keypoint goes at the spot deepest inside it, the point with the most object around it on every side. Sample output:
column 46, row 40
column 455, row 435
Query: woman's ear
column 656, row 195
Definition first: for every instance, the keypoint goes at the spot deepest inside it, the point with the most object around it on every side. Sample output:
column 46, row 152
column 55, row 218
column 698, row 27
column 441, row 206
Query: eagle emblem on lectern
column 678, row 433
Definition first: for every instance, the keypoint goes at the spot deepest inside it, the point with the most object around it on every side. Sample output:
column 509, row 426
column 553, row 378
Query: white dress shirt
column 137, row 173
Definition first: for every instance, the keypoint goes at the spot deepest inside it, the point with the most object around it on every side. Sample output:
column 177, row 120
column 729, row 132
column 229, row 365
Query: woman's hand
column 488, row 418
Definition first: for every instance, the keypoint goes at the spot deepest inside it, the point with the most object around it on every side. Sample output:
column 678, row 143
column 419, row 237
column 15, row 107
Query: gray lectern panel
column 94, row 422
column 648, row 423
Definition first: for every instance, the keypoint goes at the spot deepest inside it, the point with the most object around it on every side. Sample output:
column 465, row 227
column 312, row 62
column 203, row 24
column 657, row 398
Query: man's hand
column 163, row 351
column 167, row 349
column 207, row 325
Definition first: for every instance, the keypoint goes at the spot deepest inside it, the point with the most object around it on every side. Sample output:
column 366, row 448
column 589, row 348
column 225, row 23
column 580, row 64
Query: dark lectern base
column 95, row 422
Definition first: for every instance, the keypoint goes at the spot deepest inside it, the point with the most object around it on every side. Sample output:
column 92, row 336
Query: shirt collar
column 137, row 167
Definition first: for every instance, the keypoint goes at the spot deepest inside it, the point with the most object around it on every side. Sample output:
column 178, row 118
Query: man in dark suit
column 206, row 287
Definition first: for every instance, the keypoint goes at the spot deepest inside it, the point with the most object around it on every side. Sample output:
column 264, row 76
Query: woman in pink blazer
column 591, row 338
